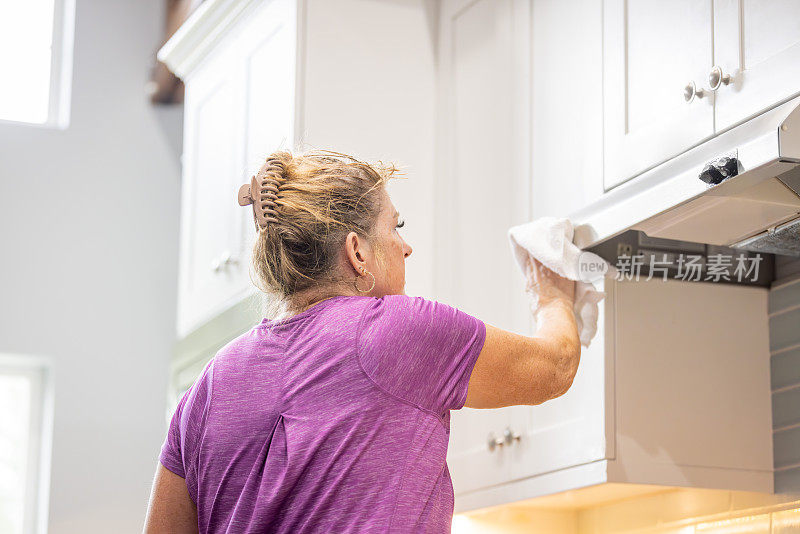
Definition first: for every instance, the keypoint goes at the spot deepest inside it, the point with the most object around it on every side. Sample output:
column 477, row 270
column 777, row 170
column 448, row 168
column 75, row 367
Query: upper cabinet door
column 210, row 274
column 757, row 52
column 267, row 55
column 240, row 107
column 654, row 52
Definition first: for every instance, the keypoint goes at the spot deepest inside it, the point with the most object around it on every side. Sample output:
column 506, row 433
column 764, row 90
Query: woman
column 335, row 417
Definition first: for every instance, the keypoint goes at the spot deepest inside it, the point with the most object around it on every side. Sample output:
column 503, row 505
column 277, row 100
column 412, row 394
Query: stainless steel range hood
column 756, row 208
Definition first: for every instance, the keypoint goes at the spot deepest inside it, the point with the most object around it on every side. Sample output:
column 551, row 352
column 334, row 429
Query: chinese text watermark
column 718, row 267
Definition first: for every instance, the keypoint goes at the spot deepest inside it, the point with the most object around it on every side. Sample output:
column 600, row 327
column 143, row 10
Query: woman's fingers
column 547, row 283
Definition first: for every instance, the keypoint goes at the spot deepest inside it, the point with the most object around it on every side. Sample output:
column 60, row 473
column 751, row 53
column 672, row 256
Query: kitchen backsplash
column 784, row 334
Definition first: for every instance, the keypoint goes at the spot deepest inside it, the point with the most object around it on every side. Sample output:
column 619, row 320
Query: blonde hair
column 322, row 196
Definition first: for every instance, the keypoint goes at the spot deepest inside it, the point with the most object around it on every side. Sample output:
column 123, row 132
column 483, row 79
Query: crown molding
column 199, row 34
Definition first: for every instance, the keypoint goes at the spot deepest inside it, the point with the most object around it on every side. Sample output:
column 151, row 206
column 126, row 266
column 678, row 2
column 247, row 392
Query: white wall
column 89, row 232
column 392, row 118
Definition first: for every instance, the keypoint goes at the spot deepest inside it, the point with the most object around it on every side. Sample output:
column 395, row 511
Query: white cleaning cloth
column 549, row 240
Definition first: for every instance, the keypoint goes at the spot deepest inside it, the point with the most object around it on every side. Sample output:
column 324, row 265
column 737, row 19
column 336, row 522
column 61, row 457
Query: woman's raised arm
column 513, row 369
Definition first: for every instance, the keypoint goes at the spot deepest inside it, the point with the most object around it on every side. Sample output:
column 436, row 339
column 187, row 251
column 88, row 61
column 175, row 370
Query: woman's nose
column 408, row 250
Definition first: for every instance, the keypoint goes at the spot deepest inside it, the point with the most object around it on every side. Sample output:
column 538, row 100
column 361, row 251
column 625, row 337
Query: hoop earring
column 355, row 283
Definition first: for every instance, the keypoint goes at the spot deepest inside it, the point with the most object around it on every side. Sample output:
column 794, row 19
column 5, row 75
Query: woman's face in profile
column 390, row 262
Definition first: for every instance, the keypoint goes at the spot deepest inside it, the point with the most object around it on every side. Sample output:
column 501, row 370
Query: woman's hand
column 547, row 285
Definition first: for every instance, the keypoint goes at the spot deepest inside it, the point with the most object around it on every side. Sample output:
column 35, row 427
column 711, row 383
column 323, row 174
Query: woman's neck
column 308, row 298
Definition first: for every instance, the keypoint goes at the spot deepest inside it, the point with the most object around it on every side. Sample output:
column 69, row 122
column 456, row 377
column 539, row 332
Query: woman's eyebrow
column 396, row 214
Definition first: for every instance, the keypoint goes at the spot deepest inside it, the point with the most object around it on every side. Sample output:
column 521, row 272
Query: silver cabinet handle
column 691, row 91
column 216, row 265
column 509, row 436
column 716, row 78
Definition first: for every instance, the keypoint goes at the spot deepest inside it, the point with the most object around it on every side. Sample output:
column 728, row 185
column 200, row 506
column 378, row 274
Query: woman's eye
column 400, row 224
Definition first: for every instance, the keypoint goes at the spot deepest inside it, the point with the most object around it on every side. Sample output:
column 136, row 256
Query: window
column 26, row 423
column 36, row 61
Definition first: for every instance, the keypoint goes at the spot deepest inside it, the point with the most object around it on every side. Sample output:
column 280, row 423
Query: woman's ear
column 354, row 252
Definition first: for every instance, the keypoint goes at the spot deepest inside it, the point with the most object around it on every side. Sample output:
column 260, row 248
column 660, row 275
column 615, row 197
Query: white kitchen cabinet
column 652, row 51
column 483, row 189
column 239, row 106
column 342, row 75
column 674, row 391
column 569, row 430
column 483, row 186
column 677, row 371
column 757, row 44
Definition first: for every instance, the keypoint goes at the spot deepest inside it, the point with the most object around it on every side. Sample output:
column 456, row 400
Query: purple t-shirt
column 334, row 420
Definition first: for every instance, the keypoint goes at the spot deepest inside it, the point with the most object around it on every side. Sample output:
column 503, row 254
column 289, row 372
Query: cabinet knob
column 493, row 442
column 716, row 78
column 224, row 260
column 691, row 91
column 508, row 439
column 509, row 436
column 227, row 259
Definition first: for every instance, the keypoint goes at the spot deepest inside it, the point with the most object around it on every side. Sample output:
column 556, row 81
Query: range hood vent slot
column 783, row 239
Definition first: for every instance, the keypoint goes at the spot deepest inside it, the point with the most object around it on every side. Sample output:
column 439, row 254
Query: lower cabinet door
column 474, row 463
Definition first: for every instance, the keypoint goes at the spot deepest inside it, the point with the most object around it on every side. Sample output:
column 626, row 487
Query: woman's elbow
column 568, row 366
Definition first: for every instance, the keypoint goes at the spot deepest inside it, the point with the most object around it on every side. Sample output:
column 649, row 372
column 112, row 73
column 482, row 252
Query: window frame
column 61, row 54
column 40, row 438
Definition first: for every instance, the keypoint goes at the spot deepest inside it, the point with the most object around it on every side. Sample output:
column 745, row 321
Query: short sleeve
column 179, row 449
column 420, row 350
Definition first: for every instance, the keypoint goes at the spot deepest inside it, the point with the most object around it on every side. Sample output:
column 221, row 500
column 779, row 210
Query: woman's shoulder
column 392, row 318
column 410, row 307
column 420, row 350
